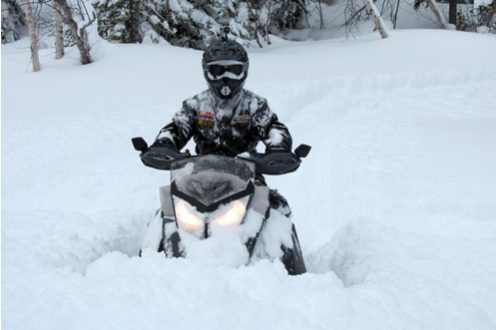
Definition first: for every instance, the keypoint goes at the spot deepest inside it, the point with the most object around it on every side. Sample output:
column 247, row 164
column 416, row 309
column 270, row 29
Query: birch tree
column 432, row 4
column 439, row 14
column 59, row 32
column 28, row 11
column 79, row 35
column 376, row 17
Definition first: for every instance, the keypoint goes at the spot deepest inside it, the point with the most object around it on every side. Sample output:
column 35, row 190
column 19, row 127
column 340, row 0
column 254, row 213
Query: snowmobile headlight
column 230, row 215
column 187, row 219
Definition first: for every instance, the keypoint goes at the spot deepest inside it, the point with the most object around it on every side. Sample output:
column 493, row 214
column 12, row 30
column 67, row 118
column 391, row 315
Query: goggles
column 225, row 69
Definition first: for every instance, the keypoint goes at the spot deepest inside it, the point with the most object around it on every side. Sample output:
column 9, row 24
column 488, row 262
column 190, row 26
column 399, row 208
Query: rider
column 227, row 119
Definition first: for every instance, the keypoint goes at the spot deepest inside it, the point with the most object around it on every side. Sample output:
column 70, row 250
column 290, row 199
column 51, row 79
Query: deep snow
column 395, row 206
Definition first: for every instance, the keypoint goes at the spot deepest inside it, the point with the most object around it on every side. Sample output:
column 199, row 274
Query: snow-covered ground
column 395, row 206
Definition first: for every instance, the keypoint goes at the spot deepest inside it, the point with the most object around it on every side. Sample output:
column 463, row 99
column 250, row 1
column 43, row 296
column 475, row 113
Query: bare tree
column 267, row 24
column 395, row 17
column 79, row 35
column 28, row 10
column 59, row 32
column 379, row 23
column 439, row 14
column 352, row 14
column 321, row 15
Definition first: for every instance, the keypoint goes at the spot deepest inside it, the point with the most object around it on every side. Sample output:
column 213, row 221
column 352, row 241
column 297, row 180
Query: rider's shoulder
column 195, row 101
column 255, row 101
column 251, row 95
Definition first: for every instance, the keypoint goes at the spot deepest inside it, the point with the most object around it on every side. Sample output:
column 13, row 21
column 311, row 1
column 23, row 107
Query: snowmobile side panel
column 292, row 257
column 153, row 236
column 260, row 200
column 166, row 202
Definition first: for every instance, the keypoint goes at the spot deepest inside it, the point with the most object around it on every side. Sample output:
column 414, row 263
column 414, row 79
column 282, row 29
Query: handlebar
column 273, row 163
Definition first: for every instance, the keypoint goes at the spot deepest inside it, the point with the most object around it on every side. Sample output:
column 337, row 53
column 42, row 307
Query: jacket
column 226, row 127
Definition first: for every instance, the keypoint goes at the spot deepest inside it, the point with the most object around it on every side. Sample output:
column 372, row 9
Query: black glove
column 270, row 150
column 160, row 155
column 164, row 143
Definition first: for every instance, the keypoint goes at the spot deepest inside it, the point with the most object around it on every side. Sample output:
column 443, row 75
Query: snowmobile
column 212, row 196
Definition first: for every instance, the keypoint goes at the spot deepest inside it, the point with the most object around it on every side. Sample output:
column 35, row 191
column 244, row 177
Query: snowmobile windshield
column 211, row 178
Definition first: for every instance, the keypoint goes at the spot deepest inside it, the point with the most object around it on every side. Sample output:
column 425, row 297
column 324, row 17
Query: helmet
column 225, row 67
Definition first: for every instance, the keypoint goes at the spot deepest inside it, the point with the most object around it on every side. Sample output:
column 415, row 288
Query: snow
column 478, row 3
column 395, row 206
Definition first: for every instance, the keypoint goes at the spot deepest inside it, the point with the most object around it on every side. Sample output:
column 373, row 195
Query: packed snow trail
column 395, row 206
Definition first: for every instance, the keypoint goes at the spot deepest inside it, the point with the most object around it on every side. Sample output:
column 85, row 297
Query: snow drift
column 395, row 206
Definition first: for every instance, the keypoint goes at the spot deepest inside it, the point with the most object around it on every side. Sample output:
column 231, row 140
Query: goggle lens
column 218, row 70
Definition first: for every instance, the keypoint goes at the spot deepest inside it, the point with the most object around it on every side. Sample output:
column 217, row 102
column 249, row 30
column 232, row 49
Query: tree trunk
column 59, row 32
column 452, row 12
column 321, row 15
column 28, row 11
column 395, row 18
column 79, row 36
column 267, row 24
column 135, row 21
column 439, row 14
column 379, row 23
column 256, row 19
column 488, row 16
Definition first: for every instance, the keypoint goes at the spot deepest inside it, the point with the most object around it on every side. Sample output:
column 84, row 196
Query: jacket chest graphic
column 210, row 126
column 205, row 119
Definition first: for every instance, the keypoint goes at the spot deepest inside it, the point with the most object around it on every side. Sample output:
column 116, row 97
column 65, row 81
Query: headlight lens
column 187, row 218
column 226, row 216
column 231, row 215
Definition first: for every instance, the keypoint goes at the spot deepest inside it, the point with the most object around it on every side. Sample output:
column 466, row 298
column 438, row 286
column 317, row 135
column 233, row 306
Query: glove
column 271, row 150
column 164, row 143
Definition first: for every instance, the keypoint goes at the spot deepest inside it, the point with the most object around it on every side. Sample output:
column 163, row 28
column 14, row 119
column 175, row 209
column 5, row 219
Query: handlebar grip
column 275, row 163
column 161, row 157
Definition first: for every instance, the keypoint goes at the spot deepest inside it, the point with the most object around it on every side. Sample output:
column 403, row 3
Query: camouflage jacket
column 226, row 127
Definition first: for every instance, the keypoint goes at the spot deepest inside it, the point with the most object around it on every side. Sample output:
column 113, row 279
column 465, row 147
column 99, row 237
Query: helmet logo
column 225, row 90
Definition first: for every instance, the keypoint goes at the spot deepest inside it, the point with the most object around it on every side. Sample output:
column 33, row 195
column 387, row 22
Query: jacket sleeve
column 274, row 134
column 180, row 130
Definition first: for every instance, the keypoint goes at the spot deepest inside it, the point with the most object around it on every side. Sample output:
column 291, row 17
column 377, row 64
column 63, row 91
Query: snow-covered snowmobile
column 214, row 196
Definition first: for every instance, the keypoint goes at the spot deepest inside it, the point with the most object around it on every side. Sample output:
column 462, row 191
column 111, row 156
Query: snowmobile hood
column 210, row 180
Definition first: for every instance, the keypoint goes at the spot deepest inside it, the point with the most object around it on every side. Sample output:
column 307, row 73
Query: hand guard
column 161, row 154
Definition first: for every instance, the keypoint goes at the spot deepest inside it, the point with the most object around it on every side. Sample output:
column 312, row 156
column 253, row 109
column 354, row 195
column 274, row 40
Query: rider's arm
column 271, row 131
column 179, row 131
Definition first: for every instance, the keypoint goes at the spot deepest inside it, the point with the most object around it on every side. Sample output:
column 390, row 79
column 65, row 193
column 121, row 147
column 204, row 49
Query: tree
column 78, row 34
column 435, row 10
column 486, row 17
column 439, row 14
column 194, row 23
column 376, row 17
column 481, row 18
column 59, row 32
column 13, row 21
column 28, row 11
